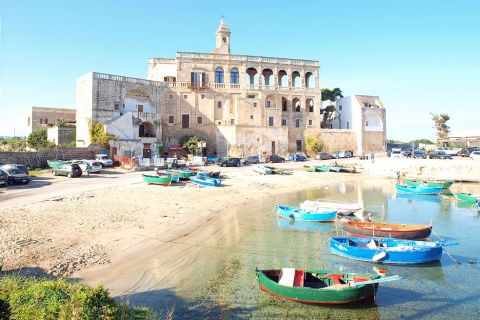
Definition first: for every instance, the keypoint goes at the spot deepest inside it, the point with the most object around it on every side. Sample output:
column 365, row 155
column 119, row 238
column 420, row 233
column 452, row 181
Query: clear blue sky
column 418, row 56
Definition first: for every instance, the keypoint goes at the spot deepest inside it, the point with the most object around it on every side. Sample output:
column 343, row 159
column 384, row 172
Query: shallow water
column 215, row 277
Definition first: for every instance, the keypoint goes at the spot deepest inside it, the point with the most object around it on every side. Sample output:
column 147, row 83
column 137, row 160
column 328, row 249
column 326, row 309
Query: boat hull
column 54, row 163
column 386, row 230
column 421, row 190
column 182, row 174
column 468, row 197
column 416, row 183
column 205, row 181
column 311, row 295
column 322, row 168
column 396, row 251
column 160, row 180
column 298, row 214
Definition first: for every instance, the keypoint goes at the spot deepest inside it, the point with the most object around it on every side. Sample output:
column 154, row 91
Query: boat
column 387, row 250
column 322, row 168
column 423, row 190
column 429, row 183
column 468, row 197
column 348, row 169
column 163, row 180
column 205, row 181
column 343, row 208
column 386, row 230
column 55, row 163
column 183, row 174
column 310, row 169
column 299, row 214
column 320, row 286
column 260, row 168
column 335, row 168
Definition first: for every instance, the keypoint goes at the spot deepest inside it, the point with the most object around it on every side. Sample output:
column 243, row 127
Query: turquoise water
column 222, row 283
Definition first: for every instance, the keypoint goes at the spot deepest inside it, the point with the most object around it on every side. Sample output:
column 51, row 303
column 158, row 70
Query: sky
column 418, row 56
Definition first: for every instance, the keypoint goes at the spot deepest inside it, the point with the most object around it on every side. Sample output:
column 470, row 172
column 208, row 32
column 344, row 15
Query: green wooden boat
column 335, row 168
column 322, row 168
column 320, row 286
column 310, row 169
column 429, row 183
column 55, row 163
column 468, row 197
column 183, row 174
column 165, row 180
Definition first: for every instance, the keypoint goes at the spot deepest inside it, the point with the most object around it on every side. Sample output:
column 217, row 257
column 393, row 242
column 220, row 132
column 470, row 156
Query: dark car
column 407, row 152
column 230, row 162
column 275, row 159
column 419, row 154
column 16, row 176
column 20, row 167
column 465, row 152
column 323, row 156
column 251, row 160
column 439, row 155
column 297, row 157
column 3, row 178
column 68, row 169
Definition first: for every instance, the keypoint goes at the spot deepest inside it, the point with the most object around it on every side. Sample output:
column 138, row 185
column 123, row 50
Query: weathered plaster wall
column 338, row 139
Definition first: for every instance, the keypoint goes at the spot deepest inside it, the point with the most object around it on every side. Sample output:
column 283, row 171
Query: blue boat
column 299, row 214
column 423, row 190
column 387, row 250
column 205, row 180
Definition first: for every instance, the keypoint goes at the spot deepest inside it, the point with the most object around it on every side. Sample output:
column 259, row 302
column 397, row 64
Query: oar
column 379, row 280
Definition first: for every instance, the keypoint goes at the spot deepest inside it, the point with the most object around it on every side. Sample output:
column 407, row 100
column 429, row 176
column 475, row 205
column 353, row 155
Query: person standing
column 372, row 156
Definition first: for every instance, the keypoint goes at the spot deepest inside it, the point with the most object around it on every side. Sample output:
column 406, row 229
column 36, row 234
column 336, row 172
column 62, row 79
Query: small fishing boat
column 429, row 183
column 468, row 197
column 310, row 169
column 424, row 190
column 342, row 208
column 299, row 214
column 164, row 180
column 386, row 230
column 183, row 174
column 55, row 163
column 322, row 168
column 320, row 286
column 335, row 168
column 387, row 250
column 348, row 169
column 260, row 168
column 276, row 170
column 205, row 181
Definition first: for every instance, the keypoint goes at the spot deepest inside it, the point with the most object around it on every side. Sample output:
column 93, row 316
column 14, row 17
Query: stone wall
column 39, row 159
column 374, row 141
column 338, row 139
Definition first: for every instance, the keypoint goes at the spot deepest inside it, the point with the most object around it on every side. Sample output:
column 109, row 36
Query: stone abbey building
column 240, row 105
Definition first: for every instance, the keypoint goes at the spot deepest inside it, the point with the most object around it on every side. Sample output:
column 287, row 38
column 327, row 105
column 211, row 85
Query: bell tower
column 222, row 37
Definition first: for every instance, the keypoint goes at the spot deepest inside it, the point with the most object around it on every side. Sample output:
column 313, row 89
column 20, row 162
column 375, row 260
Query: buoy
column 380, row 272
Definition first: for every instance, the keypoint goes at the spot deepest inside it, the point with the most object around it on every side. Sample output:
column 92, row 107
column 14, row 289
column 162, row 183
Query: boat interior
column 300, row 278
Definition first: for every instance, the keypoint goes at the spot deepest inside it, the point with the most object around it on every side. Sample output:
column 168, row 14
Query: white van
column 396, row 153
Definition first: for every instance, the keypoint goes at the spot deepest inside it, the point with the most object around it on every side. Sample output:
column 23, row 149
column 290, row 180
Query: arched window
column 309, row 80
column 296, row 79
column 310, row 105
column 252, row 78
column 219, row 75
column 296, row 106
column 282, row 78
column 234, row 76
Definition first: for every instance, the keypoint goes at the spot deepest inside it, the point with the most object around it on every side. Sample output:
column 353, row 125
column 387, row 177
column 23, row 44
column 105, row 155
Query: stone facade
column 61, row 135
column 44, row 118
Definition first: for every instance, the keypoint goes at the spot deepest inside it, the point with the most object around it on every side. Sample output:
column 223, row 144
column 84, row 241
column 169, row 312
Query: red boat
column 386, row 230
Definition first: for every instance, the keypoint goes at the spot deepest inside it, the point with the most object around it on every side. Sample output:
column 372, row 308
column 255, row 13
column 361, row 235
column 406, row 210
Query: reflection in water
column 304, row 226
column 417, row 197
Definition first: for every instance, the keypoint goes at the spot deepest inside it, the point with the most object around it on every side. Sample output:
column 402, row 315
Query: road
column 49, row 186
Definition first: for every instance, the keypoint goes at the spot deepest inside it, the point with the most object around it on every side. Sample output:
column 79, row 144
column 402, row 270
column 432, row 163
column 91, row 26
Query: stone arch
column 310, row 104
column 296, row 79
column 282, row 78
column 270, row 102
column 252, row 76
column 138, row 99
column 284, row 104
column 267, row 75
column 146, row 129
column 373, row 122
column 296, row 105
column 309, row 80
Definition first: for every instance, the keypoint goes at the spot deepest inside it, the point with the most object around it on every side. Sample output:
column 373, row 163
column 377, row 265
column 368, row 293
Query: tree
column 331, row 94
column 328, row 116
column 38, row 140
column 13, row 144
column 62, row 123
column 98, row 134
column 314, row 144
column 190, row 143
column 440, row 121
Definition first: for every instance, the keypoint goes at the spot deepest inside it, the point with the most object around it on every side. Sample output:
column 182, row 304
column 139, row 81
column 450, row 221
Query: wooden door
column 140, row 108
column 273, row 147
column 185, row 120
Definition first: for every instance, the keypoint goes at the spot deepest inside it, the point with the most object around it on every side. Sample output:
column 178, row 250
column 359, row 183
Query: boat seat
column 292, row 278
column 336, row 277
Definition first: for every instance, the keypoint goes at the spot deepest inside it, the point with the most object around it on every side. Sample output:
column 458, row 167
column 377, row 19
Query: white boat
column 343, row 208
column 262, row 169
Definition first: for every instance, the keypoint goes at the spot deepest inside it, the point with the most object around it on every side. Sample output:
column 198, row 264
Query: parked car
column 438, row 155
column 16, row 176
column 3, row 178
column 85, row 166
column 96, row 166
column 323, row 156
column 275, row 159
column 475, row 155
column 297, row 157
column 251, row 160
column 465, row 152
column 450, row 151
column 104, row 159
column 342, row 154
column 20, row 167
column 68, row 169
column 407, row 152
column 230, row 162
column 419, row 154
column 396, row 153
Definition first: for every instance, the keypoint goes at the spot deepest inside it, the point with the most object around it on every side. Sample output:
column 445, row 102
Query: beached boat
column 320, row 286
column 424, row 190
column 205, row 181
column 429, row 183
column 299, row 214
column 55, row 163
column 468, row 197
column 387, row 250
column 164, row 180
column 335, row 168
column 386, row 230
column 260, row 168
column 183, row 174
column 342, row 208
column 276, row 170
column 310, row 169
column 348, row 169
column 322, row 168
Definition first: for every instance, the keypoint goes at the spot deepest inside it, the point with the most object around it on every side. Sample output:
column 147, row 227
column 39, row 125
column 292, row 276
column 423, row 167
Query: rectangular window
column 299, row 145
column 202, row 96
column 348, row 125
column 254, row 104
column 219, row 104
column 269, row 104
column 46, row 121
column 284, row 122
column 251, row 117
column 250, row 96
column 297, row 123
column 310, row 122
column 270, row 121
column 232, row 121
column 185, row 121
column 185, row 96
column 117, row 106
column 170, row 96
column 340, row 108
column 199, row 120
column 170, row 119
column 198, row 79
column 140, row 108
